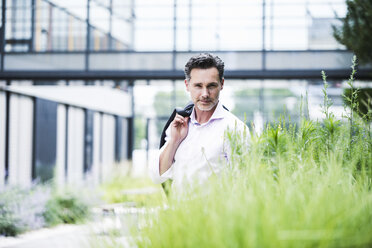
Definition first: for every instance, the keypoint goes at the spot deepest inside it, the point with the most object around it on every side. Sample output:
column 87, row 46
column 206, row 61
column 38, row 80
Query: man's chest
column 203, row 144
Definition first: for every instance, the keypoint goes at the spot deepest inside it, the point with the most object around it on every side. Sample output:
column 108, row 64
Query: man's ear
column 187, row 84
column 222, row 83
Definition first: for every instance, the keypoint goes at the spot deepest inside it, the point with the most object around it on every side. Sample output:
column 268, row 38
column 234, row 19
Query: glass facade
column 186, row 25
column 166, row 25
column 47, row 26
column 145, row 36
column 88, row 140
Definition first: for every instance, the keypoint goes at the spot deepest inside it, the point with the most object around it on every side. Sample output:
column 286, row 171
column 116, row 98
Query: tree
column 355, row 33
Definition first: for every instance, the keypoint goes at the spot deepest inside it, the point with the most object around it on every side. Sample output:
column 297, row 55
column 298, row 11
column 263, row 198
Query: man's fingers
column 178, row 119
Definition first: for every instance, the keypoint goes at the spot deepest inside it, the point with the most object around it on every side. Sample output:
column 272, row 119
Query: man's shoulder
column 232, row 121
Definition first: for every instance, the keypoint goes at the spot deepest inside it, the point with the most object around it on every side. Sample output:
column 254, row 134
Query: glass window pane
column 45, row 139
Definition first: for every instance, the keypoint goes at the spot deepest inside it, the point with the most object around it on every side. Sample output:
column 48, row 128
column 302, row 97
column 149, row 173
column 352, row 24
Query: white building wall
column 75, row 167
column 2, row 136
column 61, row 145
column 21, row 136
column 108, row 145
column 20, row 140
column 106, row 100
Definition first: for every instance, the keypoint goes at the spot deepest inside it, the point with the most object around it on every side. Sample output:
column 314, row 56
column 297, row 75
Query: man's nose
column 205, row 92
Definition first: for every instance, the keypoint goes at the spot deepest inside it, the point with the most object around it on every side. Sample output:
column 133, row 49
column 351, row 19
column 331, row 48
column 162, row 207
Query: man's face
column 204, row 87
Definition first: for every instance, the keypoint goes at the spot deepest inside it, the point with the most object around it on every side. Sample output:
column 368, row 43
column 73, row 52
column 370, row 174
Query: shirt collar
column 217, row 114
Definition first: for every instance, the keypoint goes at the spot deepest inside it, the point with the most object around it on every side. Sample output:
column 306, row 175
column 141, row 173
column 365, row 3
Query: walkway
column 110, row 227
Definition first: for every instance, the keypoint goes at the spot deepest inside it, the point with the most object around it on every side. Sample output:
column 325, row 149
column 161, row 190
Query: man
column 196, row 146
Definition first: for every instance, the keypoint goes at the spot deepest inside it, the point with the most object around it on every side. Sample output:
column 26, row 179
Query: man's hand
column 179, row 129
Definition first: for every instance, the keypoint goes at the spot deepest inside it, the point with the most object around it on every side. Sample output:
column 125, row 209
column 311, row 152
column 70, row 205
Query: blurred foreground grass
column 308, row 205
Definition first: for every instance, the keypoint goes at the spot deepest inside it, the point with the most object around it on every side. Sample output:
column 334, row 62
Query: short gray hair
column 204, row 61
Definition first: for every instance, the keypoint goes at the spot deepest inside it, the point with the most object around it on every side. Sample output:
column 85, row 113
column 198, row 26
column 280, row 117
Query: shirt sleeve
column 154, row 168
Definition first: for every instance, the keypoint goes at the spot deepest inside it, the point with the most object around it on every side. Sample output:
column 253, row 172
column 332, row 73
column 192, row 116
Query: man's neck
column 203, row 116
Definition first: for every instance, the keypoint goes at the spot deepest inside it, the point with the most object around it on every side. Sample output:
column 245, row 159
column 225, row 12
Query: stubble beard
column 204, row 107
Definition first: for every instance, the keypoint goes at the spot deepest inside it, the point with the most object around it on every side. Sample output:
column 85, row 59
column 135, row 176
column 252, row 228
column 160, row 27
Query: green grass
column 278, row 193
column 114, row 191
column 305, row 185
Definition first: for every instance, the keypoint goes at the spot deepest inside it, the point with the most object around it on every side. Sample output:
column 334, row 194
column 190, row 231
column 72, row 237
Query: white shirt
column 204, row 151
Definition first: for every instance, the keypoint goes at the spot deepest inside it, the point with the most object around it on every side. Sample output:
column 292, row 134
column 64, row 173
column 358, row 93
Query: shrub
column 22, row 209
column 9, row 225
column 65, row 208
column 36, row 207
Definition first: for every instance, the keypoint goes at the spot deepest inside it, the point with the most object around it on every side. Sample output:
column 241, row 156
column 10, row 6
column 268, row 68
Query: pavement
column 110, row 226
column 60, row 236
